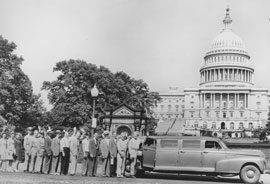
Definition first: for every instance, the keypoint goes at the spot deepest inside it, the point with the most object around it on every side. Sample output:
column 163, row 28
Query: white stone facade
column 226, row 97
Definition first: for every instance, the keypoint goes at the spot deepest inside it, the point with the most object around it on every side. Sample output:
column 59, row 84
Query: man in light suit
column 113, row 154
column 94, row 152
column 56, row 153
column 27, row 148
column 105, row 154
column 122, row 145
column 134, row 145
column 74, row 151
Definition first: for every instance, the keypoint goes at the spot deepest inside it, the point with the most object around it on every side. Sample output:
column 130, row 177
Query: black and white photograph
column 134, row 91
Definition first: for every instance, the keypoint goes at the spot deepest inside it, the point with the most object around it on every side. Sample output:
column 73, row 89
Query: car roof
column 185, row 137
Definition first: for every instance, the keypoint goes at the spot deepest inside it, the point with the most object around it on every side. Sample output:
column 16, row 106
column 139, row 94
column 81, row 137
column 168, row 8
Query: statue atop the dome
column 227, row 20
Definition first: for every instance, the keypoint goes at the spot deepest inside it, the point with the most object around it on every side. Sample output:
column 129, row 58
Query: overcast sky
column 160, row 41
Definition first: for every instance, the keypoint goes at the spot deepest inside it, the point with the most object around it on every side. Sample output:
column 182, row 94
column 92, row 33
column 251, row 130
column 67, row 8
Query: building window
column 207, row 114
column 177, row 107
column 241, row 125
column 169, row 116
column 161, row 108
column 217, row 114
column 196, row 125
column 241, row 114
column 204, row 124
column 250, row 125
column 214, row 126
column 231, row 125
column 231, row 114
column 191, row 114
column 258, row 105
column 169, row 108
column 224, row 114
column 258, row 114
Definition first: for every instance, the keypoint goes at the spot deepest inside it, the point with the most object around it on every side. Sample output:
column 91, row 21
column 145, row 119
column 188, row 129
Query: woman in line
column 3, row 152
column 19, row 151
column 10, row 151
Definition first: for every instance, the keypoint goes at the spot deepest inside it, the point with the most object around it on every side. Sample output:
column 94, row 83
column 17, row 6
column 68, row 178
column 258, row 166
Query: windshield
column 223, row 144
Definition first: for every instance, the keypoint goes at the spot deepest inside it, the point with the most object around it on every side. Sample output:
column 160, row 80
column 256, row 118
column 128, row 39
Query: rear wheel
column 250, row 174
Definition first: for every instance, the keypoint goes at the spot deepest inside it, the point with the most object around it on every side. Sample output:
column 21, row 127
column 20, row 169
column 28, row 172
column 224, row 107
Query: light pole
column 94, row 95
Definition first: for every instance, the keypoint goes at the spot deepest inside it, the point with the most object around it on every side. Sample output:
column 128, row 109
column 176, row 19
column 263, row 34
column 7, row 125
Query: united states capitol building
column 226, row 97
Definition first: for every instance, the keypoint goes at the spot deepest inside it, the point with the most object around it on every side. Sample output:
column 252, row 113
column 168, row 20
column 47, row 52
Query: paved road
column 22, row 178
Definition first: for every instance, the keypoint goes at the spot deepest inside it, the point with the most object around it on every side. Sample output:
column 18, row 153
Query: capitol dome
column 227, row 40
column 227, row 62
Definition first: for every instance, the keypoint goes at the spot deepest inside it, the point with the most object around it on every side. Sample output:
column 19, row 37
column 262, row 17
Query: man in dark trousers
column 93, row 152
column 113, row 154
column 47, row 153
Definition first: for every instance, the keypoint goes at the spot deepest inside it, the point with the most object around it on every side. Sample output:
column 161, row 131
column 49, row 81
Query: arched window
column 196, row 124
column 231, row 125
column 241, row 125
column 250, row 125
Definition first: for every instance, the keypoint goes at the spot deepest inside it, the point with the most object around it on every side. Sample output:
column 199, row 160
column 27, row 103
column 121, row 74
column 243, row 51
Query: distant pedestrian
column 94, row 152
column 56, row 158
column 105, row 154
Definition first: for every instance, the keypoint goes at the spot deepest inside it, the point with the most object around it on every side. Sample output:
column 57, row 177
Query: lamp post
column 94, row 94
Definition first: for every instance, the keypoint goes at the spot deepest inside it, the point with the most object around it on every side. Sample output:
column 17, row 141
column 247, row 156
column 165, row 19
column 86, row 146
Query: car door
column 167, row 155
column 190, row 155
column 212, row 153
column 149, row 153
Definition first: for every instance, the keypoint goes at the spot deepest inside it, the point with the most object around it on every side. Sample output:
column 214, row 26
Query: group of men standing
column 57, row 152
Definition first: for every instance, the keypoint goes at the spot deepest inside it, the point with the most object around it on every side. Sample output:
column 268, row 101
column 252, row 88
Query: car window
column 150, row 142
column 171, row 144
column 212, row 145
column 191, row 144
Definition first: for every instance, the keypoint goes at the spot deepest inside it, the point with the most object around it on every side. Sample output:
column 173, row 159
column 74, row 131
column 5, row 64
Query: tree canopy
column 19, row 106
column 70, row 93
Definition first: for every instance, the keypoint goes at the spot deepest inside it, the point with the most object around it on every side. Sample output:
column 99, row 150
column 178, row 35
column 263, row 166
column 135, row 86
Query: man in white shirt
column 74, row 151
column 65, row 153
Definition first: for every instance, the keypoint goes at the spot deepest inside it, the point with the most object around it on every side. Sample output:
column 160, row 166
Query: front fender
column 234, row 165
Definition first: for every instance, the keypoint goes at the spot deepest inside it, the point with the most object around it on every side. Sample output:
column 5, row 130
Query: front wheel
column 250, row 174
column 140, row 173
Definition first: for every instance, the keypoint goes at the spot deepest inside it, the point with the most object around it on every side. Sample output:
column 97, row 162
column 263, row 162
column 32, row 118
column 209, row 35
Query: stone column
column 247, row 100
column 220, row 98
column 234, row 101
column 203, row 100
column 210, row 100
column 227, row 100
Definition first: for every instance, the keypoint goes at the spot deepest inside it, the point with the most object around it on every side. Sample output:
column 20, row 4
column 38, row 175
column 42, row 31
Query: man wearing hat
column 27, row 148
column 56, row 153
column 47, row 152
column 86, row 156
column 105, row 154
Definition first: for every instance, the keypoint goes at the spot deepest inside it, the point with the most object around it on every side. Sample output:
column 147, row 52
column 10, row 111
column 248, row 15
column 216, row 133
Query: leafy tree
column 19, row 106
column 71, row 98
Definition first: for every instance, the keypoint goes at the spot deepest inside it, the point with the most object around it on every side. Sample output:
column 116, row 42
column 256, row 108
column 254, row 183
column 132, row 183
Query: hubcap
column 250, row 173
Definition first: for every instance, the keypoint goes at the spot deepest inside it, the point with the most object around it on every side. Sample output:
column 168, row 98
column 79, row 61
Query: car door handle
column 205, row 152
column 182, row 152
